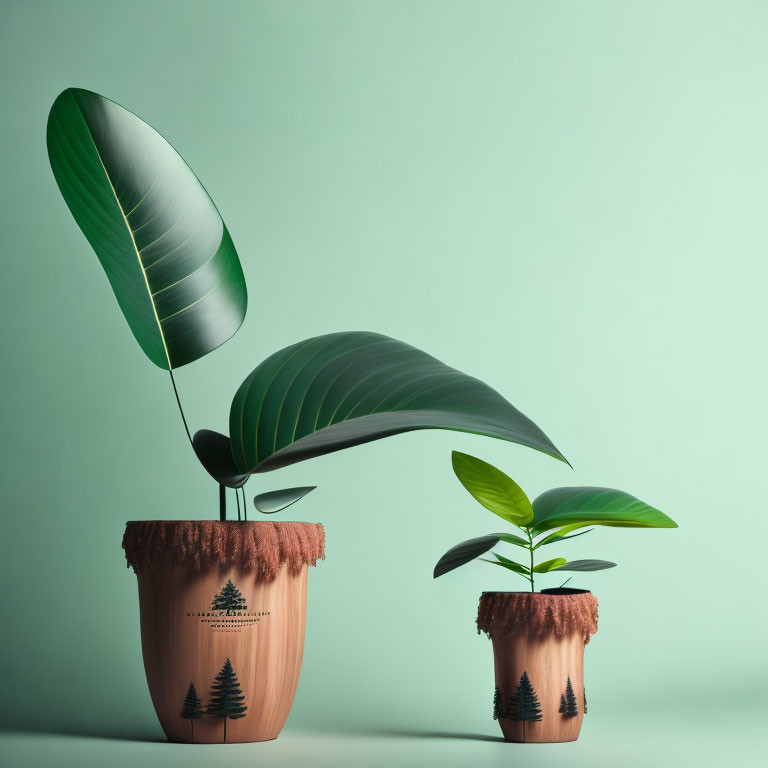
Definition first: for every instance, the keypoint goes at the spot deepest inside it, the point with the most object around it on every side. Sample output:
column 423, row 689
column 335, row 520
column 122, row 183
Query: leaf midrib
column 133, row 242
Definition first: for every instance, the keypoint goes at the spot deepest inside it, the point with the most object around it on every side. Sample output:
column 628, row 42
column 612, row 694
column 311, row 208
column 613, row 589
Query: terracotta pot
column 538, row 652
column 223, row 609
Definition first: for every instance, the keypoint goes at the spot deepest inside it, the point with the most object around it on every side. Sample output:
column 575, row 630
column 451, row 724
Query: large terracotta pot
column 223, row 609
column 538, row 652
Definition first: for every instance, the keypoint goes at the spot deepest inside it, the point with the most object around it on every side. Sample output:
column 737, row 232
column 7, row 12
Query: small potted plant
column 223, row 602
column 539, row 637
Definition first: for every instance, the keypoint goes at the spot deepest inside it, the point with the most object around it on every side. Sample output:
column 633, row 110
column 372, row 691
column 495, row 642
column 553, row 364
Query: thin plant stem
column 565, row 582
column 181, row 410
column 222, row 503
column 530, row 549
column 245, row 505
column 237, row 499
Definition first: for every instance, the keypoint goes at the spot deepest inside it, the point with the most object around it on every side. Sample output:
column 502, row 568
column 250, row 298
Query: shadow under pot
column 538, row 653
column 223, row 612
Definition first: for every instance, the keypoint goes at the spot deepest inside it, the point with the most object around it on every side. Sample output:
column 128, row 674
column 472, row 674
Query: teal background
column 566, row 200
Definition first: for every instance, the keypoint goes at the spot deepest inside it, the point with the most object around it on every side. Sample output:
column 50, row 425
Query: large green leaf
column 463, row 553
column 492, row 488
column 168, row 256
column 340, row 390
column 594, row 506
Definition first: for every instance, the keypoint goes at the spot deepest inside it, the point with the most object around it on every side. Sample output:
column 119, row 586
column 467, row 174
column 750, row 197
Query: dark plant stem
column 565, row 582
column 178, row 402
column 245, row 506
column 237, row 499
column 222, row 503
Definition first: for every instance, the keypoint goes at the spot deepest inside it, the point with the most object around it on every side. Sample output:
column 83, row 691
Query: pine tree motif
column 226, row 697
column 585, row 701
column 570, row 708
column 562, row 705
column 525, row 705
column 229, row 599
column 192, row 708
column 498, row 706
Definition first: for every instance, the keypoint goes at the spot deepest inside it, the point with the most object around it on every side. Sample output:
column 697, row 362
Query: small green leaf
column 549, row 565
column 585, row 565
column 512, row 564
column 510, row 538
column 594, row 506
column 274, row 501
column 493, row 489
column 560, row 535
column 463, row 553
column 507, row 566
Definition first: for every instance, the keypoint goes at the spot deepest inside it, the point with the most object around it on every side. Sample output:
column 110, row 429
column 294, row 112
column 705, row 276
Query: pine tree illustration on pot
column 539, row 637
column 192, row 709
column 226, row 698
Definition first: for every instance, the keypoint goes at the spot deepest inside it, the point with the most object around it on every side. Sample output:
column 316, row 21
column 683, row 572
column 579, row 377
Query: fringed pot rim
column 553, row 612
column 262, row 547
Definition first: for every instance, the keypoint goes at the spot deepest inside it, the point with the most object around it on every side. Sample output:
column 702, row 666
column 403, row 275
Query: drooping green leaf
column 549, row 565
column 215, row 453
column 464, row 553
column 492, row 488
column 166, row 252
column 340, row 390
column 594, row 506
column 510, row 538
column 585, row 565
column 274, row 501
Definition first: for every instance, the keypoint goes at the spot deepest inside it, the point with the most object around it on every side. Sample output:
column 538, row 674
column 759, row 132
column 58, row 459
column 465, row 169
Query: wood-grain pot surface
column 192, row 623
column 549, row 662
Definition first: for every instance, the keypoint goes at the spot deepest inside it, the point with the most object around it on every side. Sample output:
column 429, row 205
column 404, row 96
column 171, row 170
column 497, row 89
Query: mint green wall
column 566, row 200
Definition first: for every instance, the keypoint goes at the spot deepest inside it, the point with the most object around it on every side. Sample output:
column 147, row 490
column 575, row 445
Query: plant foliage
column 552, row 519
column 178, row 280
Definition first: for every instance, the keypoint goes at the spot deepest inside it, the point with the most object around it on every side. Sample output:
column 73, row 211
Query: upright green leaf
column 492, row 488
column 549, row 565
column 594, row 506
column 340, row 390
column 166, row 252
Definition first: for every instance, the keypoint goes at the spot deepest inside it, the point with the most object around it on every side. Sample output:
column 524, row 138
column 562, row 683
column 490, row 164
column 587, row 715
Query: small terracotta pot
column 538, row 652
column 223, row 610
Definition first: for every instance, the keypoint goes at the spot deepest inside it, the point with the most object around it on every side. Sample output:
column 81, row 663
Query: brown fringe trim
column 510, row 613
column 262, row 547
